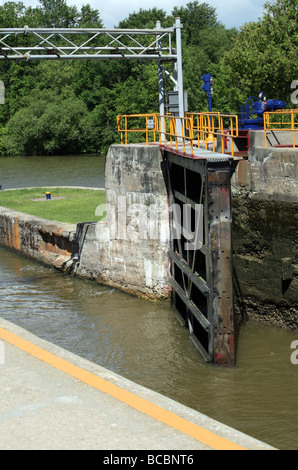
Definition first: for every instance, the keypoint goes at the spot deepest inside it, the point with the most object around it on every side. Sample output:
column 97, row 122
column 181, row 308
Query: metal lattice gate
column 200, row 253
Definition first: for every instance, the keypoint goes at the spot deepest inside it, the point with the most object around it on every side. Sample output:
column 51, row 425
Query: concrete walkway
column 51, row 399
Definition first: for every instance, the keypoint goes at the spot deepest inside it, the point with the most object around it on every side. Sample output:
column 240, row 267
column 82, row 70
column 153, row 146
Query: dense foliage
column 263, row 57
column 54, row 107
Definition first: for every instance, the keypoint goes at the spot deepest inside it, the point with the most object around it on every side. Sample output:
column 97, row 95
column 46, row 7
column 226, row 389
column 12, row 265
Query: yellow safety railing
column 127, row 123
column 202, row 123
column 233, row 130
column 210, row 125
column 281, row 121
column 209, row 128
column 176, row 131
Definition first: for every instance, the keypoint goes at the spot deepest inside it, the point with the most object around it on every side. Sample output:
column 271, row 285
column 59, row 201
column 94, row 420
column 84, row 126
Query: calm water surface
column 142, row 340
column 22, row 172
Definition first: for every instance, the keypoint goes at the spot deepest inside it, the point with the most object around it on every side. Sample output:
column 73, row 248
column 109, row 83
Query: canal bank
column 53, row 399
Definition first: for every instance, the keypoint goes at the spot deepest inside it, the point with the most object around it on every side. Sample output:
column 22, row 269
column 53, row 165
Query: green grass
column 79, row 205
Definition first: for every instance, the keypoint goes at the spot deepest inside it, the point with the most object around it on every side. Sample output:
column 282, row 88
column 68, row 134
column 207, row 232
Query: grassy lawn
column 66, row 204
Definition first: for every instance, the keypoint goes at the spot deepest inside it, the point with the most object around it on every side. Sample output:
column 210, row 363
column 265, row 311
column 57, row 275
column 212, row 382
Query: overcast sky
column 230, row 12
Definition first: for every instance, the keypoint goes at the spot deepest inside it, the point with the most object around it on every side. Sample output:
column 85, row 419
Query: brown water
column 142, row 340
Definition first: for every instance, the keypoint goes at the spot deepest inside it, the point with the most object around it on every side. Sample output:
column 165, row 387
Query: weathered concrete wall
column 264, row 201
column 273, row 174
column 130, row 249
column 265, row 259
column 44, row 240
column 270, row 173
column 273, row 138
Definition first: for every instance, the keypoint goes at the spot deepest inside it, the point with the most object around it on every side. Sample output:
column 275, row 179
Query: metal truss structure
column 98, row 44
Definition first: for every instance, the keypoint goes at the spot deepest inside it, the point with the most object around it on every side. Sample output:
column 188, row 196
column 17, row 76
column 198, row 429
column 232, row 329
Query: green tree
column 205, row 40
column 57, row 14
column 49, row 83
column 12, row 14
column 89, row 18
column 138, row 92
column 264, row 56
column 49, row 124
column 72, row 106
column 146, row 19
column 195, row 17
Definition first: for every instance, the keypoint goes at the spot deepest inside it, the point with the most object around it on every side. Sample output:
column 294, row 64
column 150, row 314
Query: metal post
column 180, row 122
column 178, row 27
column 161, row 89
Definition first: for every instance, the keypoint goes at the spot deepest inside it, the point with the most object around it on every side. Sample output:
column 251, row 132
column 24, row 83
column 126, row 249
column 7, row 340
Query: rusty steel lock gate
column 200, row 252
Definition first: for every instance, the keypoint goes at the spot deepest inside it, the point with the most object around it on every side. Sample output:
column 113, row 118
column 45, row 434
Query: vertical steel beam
column 161, row 89
column 179, row 67
column 220, row 263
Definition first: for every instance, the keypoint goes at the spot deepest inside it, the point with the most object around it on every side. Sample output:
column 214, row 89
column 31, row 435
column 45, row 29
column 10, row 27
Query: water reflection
column 142, row 341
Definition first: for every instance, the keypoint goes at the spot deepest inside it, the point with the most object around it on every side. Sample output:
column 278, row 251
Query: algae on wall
column 264, row 240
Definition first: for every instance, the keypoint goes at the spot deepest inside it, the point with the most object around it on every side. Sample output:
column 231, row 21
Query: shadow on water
column 240, row 310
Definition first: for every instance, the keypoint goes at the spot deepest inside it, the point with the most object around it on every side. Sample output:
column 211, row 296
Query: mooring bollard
column 48, row 195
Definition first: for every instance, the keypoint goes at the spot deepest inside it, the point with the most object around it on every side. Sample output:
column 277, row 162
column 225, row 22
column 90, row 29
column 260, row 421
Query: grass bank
column 69, row 205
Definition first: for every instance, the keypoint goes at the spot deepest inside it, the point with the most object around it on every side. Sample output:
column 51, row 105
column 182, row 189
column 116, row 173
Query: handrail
column 172, row 130
column 291, row 126
column 178, row 129
column 234, row 130
column 210, row 125
column 151, row 125
column 202, row 124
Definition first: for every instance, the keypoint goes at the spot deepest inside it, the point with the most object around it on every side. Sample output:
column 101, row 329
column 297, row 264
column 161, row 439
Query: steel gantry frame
column 99, row 44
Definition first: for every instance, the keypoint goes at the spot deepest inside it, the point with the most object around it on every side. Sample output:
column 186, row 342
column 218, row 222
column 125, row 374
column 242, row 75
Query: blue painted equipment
column 208, row 88
column 256, row 107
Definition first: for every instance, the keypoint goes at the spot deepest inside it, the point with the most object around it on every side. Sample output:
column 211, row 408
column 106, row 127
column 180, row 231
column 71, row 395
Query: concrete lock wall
column 129, row 249
column 44, row 240
column 264, row 200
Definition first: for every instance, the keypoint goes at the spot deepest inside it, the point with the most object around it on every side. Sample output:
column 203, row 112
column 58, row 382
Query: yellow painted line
column 197, row 432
